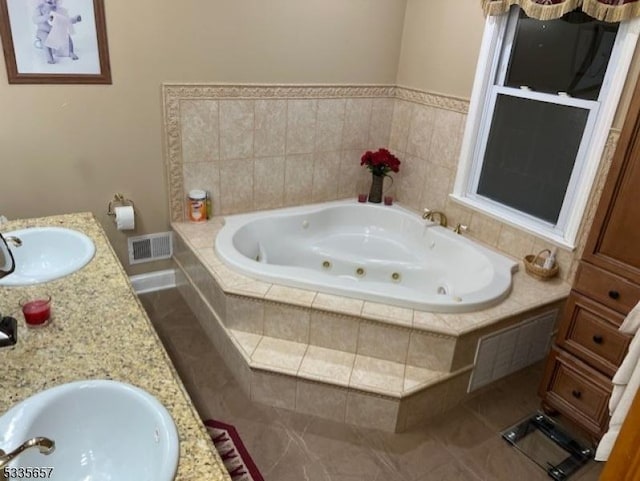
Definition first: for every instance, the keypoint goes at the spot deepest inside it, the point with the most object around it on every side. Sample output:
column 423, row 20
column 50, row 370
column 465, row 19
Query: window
column 541, row 109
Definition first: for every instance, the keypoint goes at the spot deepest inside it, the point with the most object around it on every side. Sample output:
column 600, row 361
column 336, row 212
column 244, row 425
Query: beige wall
column 69, row 148
column 440, row 46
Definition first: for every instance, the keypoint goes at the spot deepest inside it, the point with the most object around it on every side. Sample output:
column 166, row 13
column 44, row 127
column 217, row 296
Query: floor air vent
column 152, row 247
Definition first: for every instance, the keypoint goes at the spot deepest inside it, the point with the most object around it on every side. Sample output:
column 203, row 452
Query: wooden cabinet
column 589, row 347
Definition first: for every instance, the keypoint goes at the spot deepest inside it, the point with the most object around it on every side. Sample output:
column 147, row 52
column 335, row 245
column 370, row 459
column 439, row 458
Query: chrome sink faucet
column 16, row 241
column 430, row 214
column 45, row 445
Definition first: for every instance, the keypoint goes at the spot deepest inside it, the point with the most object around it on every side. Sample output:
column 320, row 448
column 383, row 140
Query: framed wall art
column 55, row 41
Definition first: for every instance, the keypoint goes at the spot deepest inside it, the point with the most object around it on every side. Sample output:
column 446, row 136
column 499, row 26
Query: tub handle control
column 460, row 228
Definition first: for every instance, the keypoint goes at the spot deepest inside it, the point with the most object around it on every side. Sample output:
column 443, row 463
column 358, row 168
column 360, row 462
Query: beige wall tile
column 515, row 242
column 298, row 179
column 448, row 128
column 244, row 314
column 437, row 186
column 268, row 187
column 457, row 389
column 372, row 411
column 400, row 125
column 321, row 400
column 431, row 352
column 433, row 322
column 286, row 322
column 206, row 176
column 329, row 365
column 270, row 128
column 273, row 389
column 338, row 304
column 393, row 314
column 200, row 135
column 326, row 166
column 236, row 186
column 458, row 214
column 236, row 129
column 331, row 114
column 356, row 126
column 247, row 341
column 410, row 183
column 251, row 288
column 291, row 295
column 485, row 229
column 465, row 351
column 421, row 131
column 377, row 375
column 383, row 341
column 353, row 179
column 333, row 331
column 426, row 404
column 417, row 377
column 283, row 356
column 301, row 126
column 380, row 125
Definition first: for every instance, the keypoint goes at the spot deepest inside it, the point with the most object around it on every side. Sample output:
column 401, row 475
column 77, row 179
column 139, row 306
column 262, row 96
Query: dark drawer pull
column 598, row 339
column 576, row 394
column 614, row 294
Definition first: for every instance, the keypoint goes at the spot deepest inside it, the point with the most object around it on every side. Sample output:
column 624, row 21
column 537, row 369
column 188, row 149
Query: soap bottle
column 550, row 261
column 197, row 205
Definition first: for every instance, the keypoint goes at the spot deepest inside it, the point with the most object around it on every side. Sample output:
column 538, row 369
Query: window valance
column 605, row 10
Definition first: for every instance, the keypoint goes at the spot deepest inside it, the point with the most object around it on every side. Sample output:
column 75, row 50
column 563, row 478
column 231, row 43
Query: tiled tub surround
column 99, row 331
column 257, row 147
column 339, row 358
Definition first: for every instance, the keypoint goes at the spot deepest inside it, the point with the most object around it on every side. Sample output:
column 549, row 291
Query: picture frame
column 55, row 41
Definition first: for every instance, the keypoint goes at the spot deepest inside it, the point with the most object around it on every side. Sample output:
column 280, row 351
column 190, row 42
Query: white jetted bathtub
column 378, row 253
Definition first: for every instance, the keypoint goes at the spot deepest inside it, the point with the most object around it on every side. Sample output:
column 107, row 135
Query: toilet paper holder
column 118, row 200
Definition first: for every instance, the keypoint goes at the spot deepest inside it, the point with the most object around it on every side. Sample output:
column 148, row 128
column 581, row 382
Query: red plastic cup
column 362, row 197
column 37, row 312
column 388, row 200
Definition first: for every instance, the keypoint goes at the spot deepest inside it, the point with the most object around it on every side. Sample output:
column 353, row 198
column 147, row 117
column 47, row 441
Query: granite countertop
column 99, row 330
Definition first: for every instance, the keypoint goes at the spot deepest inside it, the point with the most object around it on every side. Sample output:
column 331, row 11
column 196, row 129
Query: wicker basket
column 533, row 265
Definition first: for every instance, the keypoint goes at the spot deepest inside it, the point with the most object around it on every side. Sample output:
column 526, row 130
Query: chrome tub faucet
column 430, row 214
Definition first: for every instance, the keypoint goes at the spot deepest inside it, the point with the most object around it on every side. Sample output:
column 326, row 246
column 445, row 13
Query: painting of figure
column 61, row 40
column 54, row 30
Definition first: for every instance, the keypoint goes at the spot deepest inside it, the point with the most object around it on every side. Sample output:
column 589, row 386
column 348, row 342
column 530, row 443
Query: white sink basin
column 103, row 431
column 47, row 253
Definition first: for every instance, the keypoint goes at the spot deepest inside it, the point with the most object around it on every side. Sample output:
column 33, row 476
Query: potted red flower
column 379, row 163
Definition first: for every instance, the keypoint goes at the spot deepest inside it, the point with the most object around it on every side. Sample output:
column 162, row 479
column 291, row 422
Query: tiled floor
column 462, row 446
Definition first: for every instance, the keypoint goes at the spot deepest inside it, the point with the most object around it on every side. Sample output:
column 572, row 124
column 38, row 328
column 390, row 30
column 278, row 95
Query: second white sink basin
column 47, row 253
column 103, row 431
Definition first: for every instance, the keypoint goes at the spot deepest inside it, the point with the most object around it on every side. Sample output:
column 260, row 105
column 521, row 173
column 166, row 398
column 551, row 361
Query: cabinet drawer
column 590, row 331
column 576, row 390
column 607, row 288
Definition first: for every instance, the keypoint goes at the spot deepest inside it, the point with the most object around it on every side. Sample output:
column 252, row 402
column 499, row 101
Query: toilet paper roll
column 125, row 217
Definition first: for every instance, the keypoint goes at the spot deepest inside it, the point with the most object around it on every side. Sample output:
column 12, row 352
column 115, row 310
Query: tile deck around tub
column 527, row 293
column 344, row 359
column 349, row 370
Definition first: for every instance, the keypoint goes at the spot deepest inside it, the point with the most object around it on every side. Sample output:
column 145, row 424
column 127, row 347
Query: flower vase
column 375, row 193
